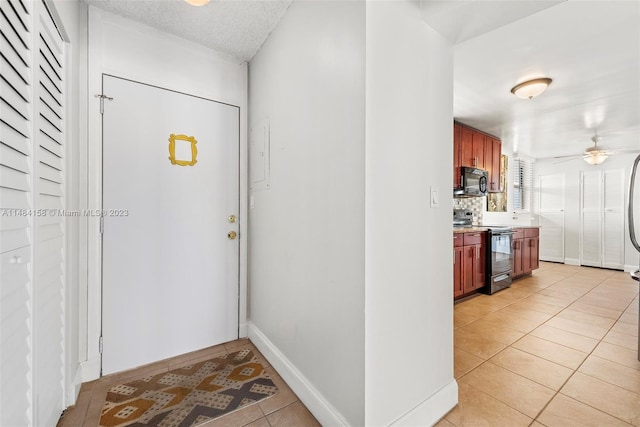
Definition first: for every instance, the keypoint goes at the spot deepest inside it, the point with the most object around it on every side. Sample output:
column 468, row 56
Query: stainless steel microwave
column 474, row 183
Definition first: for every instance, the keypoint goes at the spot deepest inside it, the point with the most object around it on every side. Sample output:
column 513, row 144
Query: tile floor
column 282, row 409
column 558, row 348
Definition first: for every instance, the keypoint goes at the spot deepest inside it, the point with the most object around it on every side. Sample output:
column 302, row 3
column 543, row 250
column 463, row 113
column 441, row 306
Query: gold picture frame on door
column 172, row 150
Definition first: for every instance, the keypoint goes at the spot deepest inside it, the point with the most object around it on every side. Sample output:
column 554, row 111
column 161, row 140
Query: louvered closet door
column 31, row 221
column 48, row 177
column 613, row 219
column 16, row 163
column 591, row 219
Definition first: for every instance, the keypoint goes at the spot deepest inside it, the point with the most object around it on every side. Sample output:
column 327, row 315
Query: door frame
column 100, row 62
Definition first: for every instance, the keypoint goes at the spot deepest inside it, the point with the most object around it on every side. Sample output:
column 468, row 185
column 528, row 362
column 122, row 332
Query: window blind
column 522, row 184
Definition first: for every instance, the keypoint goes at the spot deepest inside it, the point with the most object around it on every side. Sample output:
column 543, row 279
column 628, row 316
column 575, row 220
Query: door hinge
column 102, row 98
column 100, row 345
column 101, row 225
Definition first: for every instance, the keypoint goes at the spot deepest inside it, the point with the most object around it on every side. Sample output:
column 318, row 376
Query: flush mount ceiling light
column 197, row 2
column 531, row 88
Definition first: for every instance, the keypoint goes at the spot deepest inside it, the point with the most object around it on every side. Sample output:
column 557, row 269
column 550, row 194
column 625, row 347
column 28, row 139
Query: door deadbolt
column 232, row 235
column 232, row 219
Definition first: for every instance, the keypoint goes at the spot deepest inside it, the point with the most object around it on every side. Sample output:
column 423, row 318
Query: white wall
column 123, row 48
column 572, row 169
column 409, row 314
column 306, row 257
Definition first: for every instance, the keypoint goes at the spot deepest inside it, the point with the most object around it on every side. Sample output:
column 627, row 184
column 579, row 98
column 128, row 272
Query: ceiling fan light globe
column 197, row 2
column 595, row 158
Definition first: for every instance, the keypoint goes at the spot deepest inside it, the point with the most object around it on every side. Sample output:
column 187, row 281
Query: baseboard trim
column 243, row 330
column 432, row 409
column 324, row 411
column 73, row 388
column 630, row 268
column 90, row 370
column 572, row 261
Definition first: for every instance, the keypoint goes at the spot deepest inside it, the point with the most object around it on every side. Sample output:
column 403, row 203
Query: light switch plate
column 435, row 199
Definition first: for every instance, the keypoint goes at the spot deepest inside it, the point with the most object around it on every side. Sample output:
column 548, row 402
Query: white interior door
column 170, row 272
column 551, row 216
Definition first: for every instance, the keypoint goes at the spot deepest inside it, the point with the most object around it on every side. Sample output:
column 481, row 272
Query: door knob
column 232, row 235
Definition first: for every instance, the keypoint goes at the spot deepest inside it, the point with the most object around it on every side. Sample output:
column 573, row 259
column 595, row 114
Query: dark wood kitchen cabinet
column 475, row 149
column 492, row 152
column 530, row 250
column 468, row 262
column 457, row 155
column 525, row 251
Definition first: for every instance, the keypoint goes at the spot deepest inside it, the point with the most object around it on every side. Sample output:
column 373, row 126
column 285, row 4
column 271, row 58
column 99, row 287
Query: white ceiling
column 235, row 27
column 591, row 50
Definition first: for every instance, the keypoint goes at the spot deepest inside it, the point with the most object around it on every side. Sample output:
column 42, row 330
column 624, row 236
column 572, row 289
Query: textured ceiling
column 235, row 27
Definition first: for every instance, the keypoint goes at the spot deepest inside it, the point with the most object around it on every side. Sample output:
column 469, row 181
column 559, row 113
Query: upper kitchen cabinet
column 492, row 152
column 457, row 155
column 472, row 148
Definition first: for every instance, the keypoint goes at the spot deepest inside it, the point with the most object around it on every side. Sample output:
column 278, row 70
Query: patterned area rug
column 190, row 395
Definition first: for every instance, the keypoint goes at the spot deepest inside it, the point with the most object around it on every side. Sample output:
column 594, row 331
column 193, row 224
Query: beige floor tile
column 262, row 422
column 292, row 415
column 547, row 299
column 509, row 388
column 565, row 338
column 444, row 423
column 625, row 328
column 283, row 398
column 542, row 307
column 563, row 411
column 595, row 310
column 615, row 353
column 590, row 319
column 460, row 318
column 629, row 317
column 532, row 367
column 606, row 397
column 493, row 330
column 612, row 372
column 74, row 416
column 240, row 417
column 527, row 314
column 463, row 362
column 577, row 327
column 623, row 340
column 551, row 351
column 503, row 319
column 476, row 345
column 476, row 408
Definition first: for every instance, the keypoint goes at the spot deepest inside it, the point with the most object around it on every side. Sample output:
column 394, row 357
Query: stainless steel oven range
column 499, row 259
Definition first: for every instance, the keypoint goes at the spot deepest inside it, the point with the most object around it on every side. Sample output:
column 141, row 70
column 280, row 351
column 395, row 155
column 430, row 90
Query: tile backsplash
column 474, row 204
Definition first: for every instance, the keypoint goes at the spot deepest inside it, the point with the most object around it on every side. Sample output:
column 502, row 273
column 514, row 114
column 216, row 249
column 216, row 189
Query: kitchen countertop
column 476, row 229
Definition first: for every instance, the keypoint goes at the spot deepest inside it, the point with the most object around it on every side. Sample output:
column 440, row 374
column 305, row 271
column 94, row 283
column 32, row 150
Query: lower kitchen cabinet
column 458, row 289
column 526, row 252
column 469, row 260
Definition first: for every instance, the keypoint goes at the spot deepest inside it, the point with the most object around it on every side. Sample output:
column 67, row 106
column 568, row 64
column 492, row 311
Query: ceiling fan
column 594, row 155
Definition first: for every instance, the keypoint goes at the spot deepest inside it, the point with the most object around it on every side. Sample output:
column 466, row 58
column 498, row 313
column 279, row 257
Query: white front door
column 169, row 270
